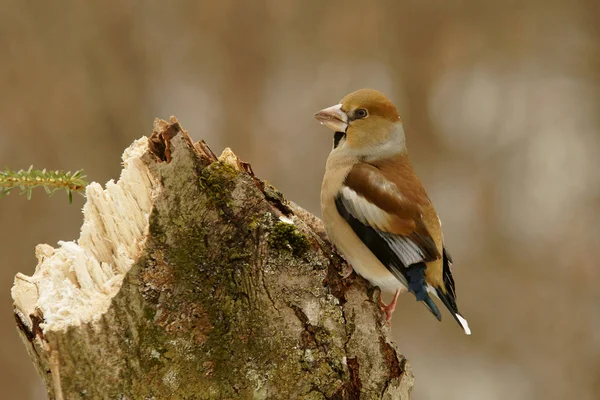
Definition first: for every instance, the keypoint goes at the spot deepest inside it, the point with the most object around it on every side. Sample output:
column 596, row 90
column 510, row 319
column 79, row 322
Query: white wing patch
column 369, row 214
column 363, row 210
column 408, row 252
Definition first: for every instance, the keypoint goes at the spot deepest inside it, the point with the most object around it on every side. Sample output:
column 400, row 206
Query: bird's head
column 366, row 123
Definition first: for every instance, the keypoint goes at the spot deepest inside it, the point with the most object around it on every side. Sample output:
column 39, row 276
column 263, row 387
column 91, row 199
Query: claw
column 388, row 309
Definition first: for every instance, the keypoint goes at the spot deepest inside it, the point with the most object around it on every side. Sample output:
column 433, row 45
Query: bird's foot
column 388, row 309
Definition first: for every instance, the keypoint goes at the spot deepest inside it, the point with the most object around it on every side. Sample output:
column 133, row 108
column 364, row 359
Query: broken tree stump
column 194, row 279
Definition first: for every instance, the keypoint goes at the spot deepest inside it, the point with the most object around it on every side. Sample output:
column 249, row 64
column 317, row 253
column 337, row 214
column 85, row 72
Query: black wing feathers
column 447, row 273
column 374, row 242
column 412, row 276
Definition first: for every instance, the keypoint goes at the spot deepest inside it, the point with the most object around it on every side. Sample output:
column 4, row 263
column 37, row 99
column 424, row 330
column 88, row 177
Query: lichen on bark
column 234, row 293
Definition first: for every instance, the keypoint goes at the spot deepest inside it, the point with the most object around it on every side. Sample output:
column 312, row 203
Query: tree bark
column 193, row 279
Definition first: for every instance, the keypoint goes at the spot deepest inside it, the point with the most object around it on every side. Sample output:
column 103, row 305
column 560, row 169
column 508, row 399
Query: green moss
column 235, row 255
column 254, row 222
column 217, row 180
column 285, row 236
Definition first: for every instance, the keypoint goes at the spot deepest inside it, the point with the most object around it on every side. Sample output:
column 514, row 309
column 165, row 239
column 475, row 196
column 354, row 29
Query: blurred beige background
column 501, row 104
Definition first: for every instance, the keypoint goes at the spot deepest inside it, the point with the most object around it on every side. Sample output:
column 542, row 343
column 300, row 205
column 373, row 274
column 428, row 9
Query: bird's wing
column 387, row 215
column 448, row 279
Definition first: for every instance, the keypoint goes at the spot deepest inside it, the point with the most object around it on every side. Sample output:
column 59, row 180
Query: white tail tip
column 464, row 324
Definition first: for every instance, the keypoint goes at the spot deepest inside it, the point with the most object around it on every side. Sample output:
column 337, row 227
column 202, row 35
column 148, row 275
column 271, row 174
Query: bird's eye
column 360, row 113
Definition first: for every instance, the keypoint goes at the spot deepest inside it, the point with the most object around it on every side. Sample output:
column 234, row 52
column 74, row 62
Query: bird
column 375, row 209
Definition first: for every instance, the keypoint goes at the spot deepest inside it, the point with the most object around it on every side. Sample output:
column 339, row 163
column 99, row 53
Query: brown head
column 364, row 121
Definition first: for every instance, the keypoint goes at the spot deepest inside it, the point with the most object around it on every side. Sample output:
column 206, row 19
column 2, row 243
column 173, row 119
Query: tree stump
column 194, row 279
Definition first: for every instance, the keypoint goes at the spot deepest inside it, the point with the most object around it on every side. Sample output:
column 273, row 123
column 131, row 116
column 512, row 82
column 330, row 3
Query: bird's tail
column 449, row 297
column 415, row 275
column 450, row 303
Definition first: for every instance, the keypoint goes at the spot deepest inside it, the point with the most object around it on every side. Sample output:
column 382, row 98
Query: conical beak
column 334, row 118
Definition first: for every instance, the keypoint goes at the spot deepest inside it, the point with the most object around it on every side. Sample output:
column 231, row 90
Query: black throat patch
column 337, row 137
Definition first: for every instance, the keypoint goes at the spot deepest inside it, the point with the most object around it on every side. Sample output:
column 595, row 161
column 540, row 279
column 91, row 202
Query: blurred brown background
column 501, row 105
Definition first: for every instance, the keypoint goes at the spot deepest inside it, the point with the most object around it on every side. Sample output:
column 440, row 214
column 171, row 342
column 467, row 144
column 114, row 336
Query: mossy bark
column 235, row 294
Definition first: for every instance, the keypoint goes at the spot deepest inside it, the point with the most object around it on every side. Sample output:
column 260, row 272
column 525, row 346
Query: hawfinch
column 375, row 209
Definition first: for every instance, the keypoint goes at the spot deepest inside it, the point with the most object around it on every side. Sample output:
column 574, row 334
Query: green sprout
column 51, row 181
